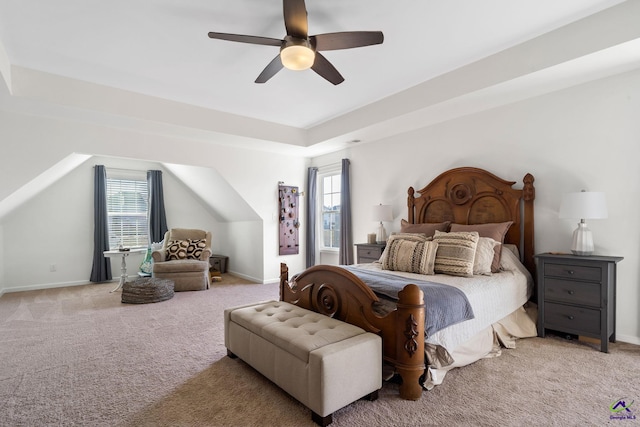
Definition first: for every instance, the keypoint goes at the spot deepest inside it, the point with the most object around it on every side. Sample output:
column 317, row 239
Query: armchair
column 184, row 258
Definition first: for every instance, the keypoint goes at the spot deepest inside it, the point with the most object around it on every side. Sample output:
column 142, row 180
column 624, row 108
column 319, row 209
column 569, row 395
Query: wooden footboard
column 338, row 293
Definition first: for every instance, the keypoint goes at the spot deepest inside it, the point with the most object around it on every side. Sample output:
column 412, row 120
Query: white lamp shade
column 584, row 205
column 382, row 213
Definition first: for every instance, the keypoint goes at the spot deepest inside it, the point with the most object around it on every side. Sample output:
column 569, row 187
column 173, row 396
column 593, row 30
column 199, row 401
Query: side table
column 219, row 262
column 123, row 264
column 577, row 295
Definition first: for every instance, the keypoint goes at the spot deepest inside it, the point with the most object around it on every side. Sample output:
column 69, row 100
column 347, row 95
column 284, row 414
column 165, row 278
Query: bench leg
column 372, row 396
column 321, row 421
column 231, row 355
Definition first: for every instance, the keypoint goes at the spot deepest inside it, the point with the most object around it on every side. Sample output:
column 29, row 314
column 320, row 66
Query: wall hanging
column 289, row 220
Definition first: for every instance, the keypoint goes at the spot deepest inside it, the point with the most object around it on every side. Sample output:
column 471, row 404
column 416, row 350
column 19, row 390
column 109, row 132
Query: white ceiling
column 159, row 51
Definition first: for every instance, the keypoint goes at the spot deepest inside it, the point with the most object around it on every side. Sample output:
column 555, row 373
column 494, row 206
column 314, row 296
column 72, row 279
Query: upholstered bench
column 324, row 363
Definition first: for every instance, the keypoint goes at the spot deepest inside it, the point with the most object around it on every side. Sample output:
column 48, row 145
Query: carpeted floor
column 79, row 357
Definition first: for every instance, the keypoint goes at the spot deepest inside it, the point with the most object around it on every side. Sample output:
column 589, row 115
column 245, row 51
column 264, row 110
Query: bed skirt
column 488, row 343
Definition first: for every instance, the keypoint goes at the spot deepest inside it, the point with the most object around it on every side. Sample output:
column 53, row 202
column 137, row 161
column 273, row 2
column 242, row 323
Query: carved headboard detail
column 474, row 196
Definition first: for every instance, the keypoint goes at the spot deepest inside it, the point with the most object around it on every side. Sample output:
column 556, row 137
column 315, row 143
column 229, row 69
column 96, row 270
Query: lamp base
column 381, row 236
column 582, row 240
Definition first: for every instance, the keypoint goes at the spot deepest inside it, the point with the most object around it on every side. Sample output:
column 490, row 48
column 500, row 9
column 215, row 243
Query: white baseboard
column 628, row 338
column 114, row 280
column 41, row 286
column 45, row 286
column 244, row 276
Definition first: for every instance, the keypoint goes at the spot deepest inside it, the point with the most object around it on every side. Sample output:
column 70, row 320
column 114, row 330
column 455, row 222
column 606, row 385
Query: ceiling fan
column 298, row 50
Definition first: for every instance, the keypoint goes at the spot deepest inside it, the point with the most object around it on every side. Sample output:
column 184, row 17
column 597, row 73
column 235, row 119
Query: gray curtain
column 312, row 181
column 157, row 216
column 346, row 239
column 101, row 269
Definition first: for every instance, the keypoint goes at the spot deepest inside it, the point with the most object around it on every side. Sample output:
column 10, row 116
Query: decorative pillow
column 495, row 230
column 427, row 228
column 410, row 255
column 485, row 252
column 177, row 249
column 416, row 237
column 456, row 252
column 195, row 248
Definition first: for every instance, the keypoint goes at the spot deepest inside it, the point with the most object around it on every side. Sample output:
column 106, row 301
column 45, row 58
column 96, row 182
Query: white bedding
column 491, row 297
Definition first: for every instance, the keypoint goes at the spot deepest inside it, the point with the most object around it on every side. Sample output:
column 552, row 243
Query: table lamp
column 382, row 213
column 583, row 205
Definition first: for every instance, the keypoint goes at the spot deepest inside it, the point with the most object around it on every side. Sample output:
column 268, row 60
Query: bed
column 471, row 202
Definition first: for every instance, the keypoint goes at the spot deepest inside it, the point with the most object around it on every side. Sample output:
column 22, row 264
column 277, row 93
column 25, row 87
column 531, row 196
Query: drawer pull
column 570, row 317
column 570, row 292
column 571, row 272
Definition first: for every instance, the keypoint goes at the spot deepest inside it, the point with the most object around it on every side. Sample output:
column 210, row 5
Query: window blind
column 127, row 207
column 330, row 210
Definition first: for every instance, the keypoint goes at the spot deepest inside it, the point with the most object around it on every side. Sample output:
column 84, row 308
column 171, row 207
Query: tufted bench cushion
column 293, row 329
column 324, row 363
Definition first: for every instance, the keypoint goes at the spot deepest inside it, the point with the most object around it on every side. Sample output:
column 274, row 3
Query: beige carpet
column 79, row 357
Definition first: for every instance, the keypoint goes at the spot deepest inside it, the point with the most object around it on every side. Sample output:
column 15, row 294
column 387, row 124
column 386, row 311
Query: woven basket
column 147, row 289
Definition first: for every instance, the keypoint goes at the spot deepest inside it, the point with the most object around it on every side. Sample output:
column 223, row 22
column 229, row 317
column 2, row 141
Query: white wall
column 58, row 224
column 32, row 144
column 586, row 137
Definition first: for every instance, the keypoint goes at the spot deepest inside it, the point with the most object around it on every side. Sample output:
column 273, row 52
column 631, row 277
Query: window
column 127, row 206
column 330, row 194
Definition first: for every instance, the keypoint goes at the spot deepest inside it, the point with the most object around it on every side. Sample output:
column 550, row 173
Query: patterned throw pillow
column 496, row 231
column 176, row 249
column 195, row 248
column 411, row 254
column 417, row 237
column 456, row 252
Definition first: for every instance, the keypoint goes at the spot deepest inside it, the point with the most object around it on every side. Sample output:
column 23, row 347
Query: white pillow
column 484, row 256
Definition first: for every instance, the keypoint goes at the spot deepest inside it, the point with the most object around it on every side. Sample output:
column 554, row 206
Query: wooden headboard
column 474, row 196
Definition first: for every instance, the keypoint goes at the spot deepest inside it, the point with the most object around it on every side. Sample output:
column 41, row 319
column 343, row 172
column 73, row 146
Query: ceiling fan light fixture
column 297, row 55
column 298, row 50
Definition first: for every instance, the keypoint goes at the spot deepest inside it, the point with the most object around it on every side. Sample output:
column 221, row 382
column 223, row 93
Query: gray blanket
column 445, row 305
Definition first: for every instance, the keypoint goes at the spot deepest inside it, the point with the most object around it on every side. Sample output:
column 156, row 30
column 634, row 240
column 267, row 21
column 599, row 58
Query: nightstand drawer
column 368, row 253
column 572, row 319
column 579, row 272
column 582, row 293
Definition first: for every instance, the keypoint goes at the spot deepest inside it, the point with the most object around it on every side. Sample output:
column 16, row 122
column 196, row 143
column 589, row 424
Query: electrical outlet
column 53, row 267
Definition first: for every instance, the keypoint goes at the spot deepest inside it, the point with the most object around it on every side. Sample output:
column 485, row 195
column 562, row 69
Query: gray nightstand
column 369, row 252
column 577, row 295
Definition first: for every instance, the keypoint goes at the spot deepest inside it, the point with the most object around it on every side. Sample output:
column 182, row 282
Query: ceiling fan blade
column 270, row 70
column 346, row 39
column 324, row 68
column 246, row 39
column 295, row 18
